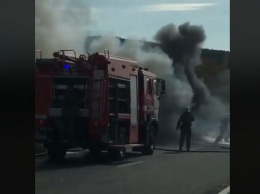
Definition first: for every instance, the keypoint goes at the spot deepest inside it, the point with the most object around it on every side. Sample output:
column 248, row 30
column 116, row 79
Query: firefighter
column 224, row 126
column 184, row 124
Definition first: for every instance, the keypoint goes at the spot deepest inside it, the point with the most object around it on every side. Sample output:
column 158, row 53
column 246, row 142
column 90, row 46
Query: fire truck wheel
column 56, row 153
column 95, row 152
column 121, row 154
column 148, row 149
column 117, row 154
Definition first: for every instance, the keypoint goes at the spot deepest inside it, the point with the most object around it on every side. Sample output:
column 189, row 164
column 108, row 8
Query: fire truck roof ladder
column 88, row 54
column 63, row 52
column 123, row 58
column 82, row 56
column 61, row 55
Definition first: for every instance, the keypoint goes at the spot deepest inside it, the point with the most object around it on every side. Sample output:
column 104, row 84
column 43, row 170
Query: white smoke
column 61, row 25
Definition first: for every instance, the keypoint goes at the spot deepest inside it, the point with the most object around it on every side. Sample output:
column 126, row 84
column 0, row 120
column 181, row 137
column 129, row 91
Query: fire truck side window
column 149, row 86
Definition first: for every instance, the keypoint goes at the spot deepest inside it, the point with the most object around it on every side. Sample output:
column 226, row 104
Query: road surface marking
column 196, row 148
column 225, row 191
column 125, row 165
column 41, row 154
column 116, row 162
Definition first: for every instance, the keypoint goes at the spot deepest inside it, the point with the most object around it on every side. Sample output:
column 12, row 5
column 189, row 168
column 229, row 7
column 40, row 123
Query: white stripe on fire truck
column 61, row 87
column 56, row 112
column 40, row 116
column 148, row 108
column 122, row 59
column 116, row 77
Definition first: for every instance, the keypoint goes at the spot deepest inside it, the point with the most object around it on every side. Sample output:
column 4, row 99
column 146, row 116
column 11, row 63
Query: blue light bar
column 66, row 66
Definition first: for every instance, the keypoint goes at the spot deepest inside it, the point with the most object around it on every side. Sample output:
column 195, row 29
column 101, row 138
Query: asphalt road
column 204, row 170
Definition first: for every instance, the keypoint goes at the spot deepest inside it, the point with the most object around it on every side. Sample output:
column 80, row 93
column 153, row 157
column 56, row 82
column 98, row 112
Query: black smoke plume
column 182, row 45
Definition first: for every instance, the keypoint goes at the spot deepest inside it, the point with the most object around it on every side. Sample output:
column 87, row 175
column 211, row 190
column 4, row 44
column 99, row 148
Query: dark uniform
column 184, row 124
column 223, row 129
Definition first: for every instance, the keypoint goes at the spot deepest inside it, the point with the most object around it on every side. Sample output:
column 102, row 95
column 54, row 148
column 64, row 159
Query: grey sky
column 142, row 18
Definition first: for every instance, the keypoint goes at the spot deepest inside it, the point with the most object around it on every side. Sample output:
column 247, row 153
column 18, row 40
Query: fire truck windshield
column 61, row 85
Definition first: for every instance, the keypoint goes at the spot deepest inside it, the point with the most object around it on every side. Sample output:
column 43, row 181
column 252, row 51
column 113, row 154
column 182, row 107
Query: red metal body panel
column 122, row 116
column 122, row 68
column 43, row 94
column 45, row 70
column 134, row 133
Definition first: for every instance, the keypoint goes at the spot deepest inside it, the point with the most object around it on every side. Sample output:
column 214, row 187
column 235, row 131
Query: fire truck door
column 134, row 110
column 156, row 98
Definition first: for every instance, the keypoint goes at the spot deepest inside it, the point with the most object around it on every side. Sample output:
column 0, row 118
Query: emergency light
column 66, row 66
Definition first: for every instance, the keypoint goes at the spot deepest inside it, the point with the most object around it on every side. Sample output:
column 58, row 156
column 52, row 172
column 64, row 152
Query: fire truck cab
column 99, row 102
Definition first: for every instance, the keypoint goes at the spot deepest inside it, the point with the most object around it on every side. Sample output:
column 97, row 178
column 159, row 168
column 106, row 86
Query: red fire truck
column 96, row 102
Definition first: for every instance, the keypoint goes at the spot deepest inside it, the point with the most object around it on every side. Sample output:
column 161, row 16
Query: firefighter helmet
column 188, row 109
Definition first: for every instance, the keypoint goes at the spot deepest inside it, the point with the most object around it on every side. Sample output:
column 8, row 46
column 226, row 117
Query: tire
column 121, row 154
column 95, row 152
column 117, row 154
column 56, row 153
column 148, row 149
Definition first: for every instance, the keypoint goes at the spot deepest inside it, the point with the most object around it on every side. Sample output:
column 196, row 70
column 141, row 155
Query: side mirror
column 162, row 87
column 163, row 93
